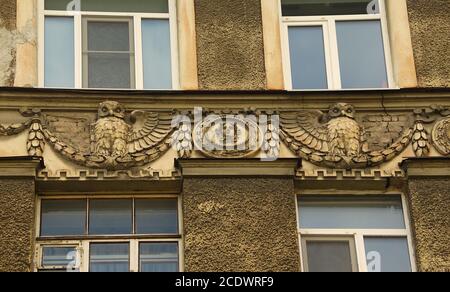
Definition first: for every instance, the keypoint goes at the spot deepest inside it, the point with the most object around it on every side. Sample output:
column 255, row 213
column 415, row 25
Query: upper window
column 354, row 233
column 108, row 44
column 335, row 44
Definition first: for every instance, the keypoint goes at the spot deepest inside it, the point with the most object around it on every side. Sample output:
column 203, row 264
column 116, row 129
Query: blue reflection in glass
column 308, row 66
column 361, row 54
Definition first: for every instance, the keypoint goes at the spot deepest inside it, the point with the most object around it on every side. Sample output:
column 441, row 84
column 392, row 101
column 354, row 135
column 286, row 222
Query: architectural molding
column 79, row 99
column 427, row 167
column 272, row 44
column 20, row 166
column 187, row 45
column 401, row 44
column 26, row 73
column 237, row 167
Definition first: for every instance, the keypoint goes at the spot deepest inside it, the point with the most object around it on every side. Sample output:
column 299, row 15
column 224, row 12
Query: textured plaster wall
column 430, row 31
column 7, row 41
column 430, row 204
column 17, row 207
column 230, row 44
column 240, row 225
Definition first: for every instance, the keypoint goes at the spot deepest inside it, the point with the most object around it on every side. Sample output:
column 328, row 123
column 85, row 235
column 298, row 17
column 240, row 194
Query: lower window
column 109, row 235
column 351, row 234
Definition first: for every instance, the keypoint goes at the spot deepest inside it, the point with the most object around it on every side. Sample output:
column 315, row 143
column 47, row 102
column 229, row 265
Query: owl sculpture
column 110, row 134
column 334, row 135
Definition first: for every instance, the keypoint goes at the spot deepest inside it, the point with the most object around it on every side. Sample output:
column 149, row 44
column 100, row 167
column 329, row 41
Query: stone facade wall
column 230, row 44
column 240, row 225
column 430, row 204
column 17, row 224
column 430, row 28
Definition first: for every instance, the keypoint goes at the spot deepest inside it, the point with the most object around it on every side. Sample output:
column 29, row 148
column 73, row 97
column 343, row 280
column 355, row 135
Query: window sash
column 83, row 248
column 331, row 46
column 358, row 236
column 78, row 35
column 133, row 199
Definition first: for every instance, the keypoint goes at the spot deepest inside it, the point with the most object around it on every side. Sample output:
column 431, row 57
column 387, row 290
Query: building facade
column 224, row 135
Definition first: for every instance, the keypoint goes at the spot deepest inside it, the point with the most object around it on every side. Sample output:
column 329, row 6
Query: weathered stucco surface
column 430, row 30
column 230, row 44
column 17, row 209
column 7, row 41
column 240, row 225
column 430, row 204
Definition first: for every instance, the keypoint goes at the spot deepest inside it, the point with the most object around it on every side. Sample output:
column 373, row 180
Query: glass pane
column 110, row 217
column 361, row 54
column 351, row 213
column 156, row 216
column 144, row 6
column 387, row 255
column 158, row 257
column 108, row 36
column 58, row 256
column 329, row 256
column 63, row 217
column 329, row 7
column 110, row 70
column 156, row 54
column 58, row 5
column 110, row 257
column 59, row 52
column 307, row 53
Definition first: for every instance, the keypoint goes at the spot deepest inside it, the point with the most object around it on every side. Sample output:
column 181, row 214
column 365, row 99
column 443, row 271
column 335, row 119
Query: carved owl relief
column 334, row 134
column 119, row 140
column 110, row 133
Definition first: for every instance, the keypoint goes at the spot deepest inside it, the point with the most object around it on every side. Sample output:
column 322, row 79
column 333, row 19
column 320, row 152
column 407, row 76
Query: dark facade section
column 240, row 225
column 430, row 30
column 230, row 44
column 430, row 205
column 8, row 14
column 17, row 224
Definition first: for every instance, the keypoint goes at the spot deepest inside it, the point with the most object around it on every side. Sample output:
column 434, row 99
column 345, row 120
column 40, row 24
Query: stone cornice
column 237, row 167
column 23, row 166
column 58, row 99
column 427, row 167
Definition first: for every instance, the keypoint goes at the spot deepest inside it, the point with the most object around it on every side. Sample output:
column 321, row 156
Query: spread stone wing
column 150, row 131
column 304, row 128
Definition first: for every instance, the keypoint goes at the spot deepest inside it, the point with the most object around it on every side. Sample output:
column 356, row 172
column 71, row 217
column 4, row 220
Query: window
column 109, row 235
column 108, row 44
column 350, row 234
column 331, row 44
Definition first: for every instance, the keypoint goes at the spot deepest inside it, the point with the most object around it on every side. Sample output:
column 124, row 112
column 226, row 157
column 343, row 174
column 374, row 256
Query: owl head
column 339, row 110
column 111, row 109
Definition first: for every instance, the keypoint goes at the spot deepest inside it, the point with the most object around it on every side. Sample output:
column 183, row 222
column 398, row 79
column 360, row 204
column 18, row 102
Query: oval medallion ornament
column 441, row 136
column 227, row 136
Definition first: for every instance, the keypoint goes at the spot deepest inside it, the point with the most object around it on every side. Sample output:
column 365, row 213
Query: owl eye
column 336, row 110
column 350, row 110
column 118, row 110
column 104, row 109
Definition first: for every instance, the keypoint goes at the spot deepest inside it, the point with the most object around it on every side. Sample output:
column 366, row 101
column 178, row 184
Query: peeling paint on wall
column 8, row 44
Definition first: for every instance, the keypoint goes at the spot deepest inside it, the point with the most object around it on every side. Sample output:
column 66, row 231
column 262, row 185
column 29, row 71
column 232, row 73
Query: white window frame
column 356, row 234
column 82, row 243
column 328, row 23
column 78, row 36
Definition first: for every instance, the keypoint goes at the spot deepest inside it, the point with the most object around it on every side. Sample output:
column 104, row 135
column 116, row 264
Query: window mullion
column 334, row 55
column 139, row 68
column 387, row 46
column 174, row 44
column 361, row 253
column 134, row 255
column 78, row 25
